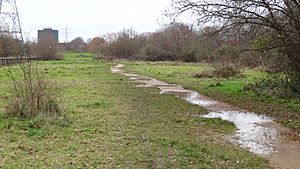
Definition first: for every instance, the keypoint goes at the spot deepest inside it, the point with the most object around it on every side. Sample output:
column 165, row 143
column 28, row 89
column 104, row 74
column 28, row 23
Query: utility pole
column 9, row 19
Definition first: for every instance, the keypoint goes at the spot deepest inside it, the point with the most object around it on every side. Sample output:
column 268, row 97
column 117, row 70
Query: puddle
column 257, row 133
column 190, row 96
column 251, row 133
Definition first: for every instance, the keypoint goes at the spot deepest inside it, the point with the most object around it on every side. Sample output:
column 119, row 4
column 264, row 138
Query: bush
column 149, row 50
column 295, row 85
column 203, row 54
column 228, row 54
column 9, row 46
column 152, row 53
column 39, row 101
column 188, row 55
column 274, row 86
column 45, row 50
column 34, row 98
column 221, row 72
column 56, row 56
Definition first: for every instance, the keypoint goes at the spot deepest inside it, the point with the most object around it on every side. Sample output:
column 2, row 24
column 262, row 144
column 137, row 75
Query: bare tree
column 122, row 44
column 77, row 44
column 96, row 45
column 46, row 48
column 10, row 46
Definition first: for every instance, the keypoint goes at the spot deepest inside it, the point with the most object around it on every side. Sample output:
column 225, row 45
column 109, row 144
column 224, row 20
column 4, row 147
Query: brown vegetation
column 96, row 45
column 32, row 96
column 229, row 33
column 270, row 28
column 46, row 49
column 182, row 42
column 77, row 44
column 10, row 46
column 220, row 72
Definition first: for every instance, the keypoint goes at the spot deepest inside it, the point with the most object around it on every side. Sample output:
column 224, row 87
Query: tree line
column 244, row 33
column 188, row 43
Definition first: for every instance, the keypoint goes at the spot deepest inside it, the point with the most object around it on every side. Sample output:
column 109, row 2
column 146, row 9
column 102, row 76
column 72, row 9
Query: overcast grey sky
column 91, row 18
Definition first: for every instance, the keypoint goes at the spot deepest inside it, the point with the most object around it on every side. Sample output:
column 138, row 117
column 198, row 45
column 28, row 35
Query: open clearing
column 113, row 124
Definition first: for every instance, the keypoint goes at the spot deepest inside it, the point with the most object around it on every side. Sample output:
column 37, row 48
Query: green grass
column 113, row 124
column 77, row 56
column 286, row 111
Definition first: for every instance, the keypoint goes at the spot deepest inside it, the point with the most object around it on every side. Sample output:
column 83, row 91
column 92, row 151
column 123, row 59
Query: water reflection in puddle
column 253, row 132
column 190, row 96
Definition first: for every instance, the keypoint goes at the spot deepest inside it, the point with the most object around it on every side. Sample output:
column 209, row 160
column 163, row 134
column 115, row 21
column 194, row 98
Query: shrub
column 295, row 85
column 9, row 46
column 56, row 56
column 203, row 54
column 152, row 53
column 45, row 50
column 34, row 98
column 188, row 55
column 226, row 72
column 273, row 85
column 221, row 72
column 205, row 74
column 149, row 50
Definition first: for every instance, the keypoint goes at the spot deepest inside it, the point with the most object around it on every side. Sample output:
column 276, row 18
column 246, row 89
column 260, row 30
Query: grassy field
column 286, row 111
column 113, row 124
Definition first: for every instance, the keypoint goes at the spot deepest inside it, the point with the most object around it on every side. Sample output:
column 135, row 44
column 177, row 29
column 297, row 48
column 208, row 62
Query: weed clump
column 221, row 72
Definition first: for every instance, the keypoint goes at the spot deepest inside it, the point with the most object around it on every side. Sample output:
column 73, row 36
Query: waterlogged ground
column 113, row 124
column 285, row 111
column 257, row 133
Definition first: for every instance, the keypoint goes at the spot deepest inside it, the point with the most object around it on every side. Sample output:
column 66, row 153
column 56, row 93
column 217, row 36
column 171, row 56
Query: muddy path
column 257, row 133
